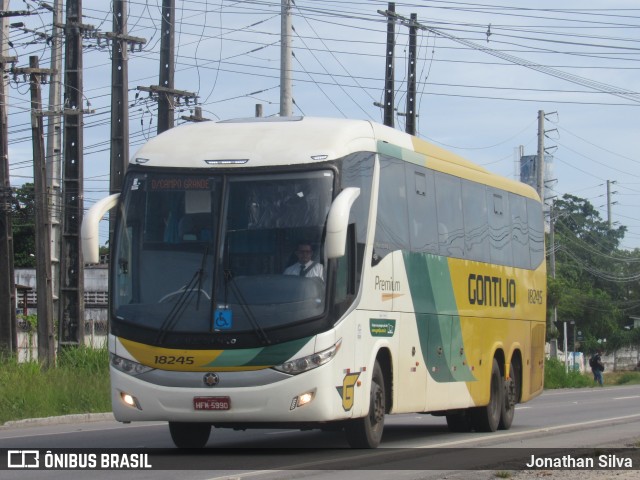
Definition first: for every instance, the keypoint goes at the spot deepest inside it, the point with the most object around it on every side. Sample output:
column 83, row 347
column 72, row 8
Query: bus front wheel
column 486, row 419
column 366, row 432
column 189, row 435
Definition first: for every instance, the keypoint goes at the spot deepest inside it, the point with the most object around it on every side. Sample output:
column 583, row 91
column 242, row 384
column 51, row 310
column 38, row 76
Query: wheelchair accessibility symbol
column 223, row 319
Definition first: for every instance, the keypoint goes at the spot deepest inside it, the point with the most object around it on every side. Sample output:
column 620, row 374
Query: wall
column 95, row 299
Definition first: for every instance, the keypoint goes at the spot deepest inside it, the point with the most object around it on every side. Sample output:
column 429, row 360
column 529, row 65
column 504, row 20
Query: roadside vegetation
column 555, row 376
column 79, row 383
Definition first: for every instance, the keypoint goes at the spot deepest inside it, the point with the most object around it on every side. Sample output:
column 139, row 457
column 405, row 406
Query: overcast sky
column 485, row 69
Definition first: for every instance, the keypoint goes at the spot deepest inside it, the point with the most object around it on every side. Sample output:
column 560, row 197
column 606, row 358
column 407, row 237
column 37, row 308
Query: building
column 96, row 303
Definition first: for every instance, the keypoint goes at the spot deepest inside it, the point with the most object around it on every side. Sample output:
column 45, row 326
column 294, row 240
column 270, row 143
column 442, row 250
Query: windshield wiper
column 183, row 300
column 229, row 282
column 257, row 328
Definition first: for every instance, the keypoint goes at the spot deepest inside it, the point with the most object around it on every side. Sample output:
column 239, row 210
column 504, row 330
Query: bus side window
column 392, row 220
column 474, row 202
column 423, row 221
column 450, row 220
column 499, row 227
column 519, row 231
column 536, row 232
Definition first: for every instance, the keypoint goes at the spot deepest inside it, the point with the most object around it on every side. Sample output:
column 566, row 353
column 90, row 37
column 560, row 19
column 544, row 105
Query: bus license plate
column 211, row 403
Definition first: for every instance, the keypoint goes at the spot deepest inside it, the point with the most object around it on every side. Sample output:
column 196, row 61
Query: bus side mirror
column 338, row 223
column 89, row 231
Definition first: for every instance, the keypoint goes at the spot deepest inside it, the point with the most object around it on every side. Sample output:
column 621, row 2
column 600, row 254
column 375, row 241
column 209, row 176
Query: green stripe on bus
column 402, row 153
column 277, row 354
column 437, row 318
column 262, row 356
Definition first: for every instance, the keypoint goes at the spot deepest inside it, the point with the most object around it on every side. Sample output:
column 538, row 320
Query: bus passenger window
column 536, row 232
column 474, row 201
column 392, row 221
column 450, row 220
column 520, row 231
column 500, row 227
column 422, row 210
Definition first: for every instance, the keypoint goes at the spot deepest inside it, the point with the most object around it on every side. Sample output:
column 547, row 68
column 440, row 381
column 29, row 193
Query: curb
column 64, row 419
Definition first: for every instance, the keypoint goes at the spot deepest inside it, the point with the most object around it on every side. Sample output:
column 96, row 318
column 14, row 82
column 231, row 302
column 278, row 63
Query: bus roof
column 261, row 142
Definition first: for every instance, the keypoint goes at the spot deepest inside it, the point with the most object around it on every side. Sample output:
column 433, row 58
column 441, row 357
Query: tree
column 596, row 282
column 24, row 230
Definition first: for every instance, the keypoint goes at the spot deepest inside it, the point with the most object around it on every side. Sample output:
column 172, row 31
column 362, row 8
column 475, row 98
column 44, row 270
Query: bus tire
column 366, row 432
column 459, row 422
column 486, row 419
column 189, row 435
column 511, row 397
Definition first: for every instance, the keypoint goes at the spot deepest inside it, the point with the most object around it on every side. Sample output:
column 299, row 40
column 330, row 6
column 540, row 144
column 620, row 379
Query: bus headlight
column 128, row 366
column 304, row 364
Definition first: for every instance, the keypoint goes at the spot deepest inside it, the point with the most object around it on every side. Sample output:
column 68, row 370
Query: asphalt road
column 413, row 445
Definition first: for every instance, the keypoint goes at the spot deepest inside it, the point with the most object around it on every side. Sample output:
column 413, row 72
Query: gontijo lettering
column 488, row 291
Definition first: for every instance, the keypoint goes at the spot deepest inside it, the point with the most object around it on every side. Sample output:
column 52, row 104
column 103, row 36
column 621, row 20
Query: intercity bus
column 431, row 298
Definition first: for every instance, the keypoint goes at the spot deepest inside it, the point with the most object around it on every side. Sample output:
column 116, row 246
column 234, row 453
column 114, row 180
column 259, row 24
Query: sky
column 484, row 71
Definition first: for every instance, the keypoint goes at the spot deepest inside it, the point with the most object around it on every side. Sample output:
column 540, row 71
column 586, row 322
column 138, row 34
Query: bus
column 431, row 296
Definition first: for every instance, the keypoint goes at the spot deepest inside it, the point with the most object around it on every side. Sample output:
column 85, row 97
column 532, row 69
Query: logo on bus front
column 347, row 389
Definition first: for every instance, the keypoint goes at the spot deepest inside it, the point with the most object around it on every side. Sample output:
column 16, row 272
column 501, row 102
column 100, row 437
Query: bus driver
column 305, row 266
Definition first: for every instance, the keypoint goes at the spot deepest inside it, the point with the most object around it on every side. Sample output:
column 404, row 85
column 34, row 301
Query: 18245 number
column 172, row 360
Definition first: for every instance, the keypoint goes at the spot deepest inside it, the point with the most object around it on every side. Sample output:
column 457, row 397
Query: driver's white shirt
column 316, row 271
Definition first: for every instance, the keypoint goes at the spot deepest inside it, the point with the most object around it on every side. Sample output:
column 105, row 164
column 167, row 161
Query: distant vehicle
column 432, row 297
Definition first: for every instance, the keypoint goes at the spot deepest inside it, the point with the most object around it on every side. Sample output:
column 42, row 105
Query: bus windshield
column 216, row 254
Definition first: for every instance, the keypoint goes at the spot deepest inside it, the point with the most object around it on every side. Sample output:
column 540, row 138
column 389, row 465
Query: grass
column 556, row 377
column 503, row 474
column 622, row 378
column 78, row 384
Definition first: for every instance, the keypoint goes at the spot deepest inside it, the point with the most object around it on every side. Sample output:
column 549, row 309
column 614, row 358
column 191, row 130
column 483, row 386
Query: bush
column 79, row 383
column 555, row 376
column 631, row 378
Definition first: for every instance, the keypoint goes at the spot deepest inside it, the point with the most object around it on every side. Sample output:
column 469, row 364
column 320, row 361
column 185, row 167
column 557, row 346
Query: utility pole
column 196, row 116
column 552, row 267
column 8, row 327
column 410, row 126
column 165, row 93
column 71, row 317
column 54, row 151
column 540, row 163
column 552, row 230
column 389, row 74
column 286, row 98
column 166, row 101
column 46, row 347
column 119, row 106
column 119, row 101
column 609, row 202
column 412, row 23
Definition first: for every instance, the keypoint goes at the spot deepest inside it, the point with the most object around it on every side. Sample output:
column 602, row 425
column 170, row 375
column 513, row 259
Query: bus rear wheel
column 486, row 419
column 189, row 435
column 511, row 396
column 366, row 432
